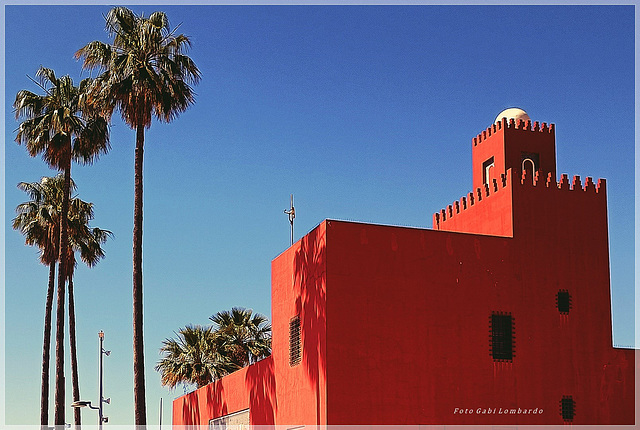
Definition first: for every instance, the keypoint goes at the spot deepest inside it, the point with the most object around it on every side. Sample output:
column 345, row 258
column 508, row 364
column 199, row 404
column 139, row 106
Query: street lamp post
column 84, row 403
column 102, row 351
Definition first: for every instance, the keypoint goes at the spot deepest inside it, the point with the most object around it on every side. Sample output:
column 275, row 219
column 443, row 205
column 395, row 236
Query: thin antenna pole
column 292, row 214
column 160, row 413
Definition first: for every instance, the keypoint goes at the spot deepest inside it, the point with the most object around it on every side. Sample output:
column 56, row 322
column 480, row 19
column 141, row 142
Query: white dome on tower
column 515, row 113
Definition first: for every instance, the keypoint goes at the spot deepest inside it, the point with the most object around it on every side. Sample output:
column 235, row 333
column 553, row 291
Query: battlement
column 473, row 198
column 564, row 184
column 538, row 181
column 511, row 124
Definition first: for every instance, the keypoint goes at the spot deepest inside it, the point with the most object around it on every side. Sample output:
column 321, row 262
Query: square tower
column 512, row 143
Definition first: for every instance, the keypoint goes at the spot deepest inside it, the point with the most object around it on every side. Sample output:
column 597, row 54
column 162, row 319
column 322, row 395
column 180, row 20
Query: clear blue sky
column 364, row 113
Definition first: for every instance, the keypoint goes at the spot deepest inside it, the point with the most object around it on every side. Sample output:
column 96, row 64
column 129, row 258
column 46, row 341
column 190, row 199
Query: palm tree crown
column 61, row 125
column 39, row 221
column 192, row 358
column 244, row 336
column 145, row 72
column 201, row 355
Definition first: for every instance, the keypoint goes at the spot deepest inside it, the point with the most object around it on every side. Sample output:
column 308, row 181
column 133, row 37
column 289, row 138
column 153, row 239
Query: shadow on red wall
column 310, row 278
column 216, row 403
column 261, row 383
column 190, row 409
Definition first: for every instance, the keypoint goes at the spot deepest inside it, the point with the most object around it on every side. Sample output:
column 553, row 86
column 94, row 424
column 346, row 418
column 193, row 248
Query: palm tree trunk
column 74, row 355
column 138, row 345
column 46, row 349
column 59, row 409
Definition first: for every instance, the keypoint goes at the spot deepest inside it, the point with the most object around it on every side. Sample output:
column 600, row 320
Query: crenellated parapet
column 482, row 195
column 549, row 181
column 472, row 199
column 512, row 124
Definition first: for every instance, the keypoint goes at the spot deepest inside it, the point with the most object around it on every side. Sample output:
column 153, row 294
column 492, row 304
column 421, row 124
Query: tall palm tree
column 39, row 221
column 62, row 127
column 144, row 73
column 245, row 337
column 193, row 358
column 87, row 241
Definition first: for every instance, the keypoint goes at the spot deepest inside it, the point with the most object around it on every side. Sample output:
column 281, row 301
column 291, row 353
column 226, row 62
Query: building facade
column 499, row 314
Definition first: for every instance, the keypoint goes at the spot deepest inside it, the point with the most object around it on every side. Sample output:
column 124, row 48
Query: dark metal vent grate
column 295, row 346
column 563, row 301
column 502, row 336
column 567, row 408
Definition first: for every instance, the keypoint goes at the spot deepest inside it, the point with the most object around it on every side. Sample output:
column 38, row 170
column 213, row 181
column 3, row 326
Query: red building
column 500, row 314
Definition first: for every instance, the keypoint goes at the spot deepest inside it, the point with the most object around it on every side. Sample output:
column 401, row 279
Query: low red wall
column 251, row 387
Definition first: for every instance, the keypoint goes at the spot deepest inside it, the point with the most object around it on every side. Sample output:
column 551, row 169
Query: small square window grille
column 295, row 345
column 563, row 301
column 502, row 336
column 567, row 408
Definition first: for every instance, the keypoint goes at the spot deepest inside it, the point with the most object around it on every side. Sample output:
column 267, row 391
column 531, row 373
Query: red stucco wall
column 408, row 330
column 402, row 337
column 299, row 288
column 251, row 387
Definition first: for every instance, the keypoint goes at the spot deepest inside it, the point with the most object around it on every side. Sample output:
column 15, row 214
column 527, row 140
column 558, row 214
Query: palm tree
column 87, row 241
column 39, row 221
column 201, row 355
column 193, row 358
column 60, row 126
column 245, row 337
column 144, row 73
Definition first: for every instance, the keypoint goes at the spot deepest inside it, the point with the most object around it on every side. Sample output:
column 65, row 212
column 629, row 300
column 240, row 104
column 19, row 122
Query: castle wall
column 407, row 324
column 396, row 323
column 562, row 234
column 408, row 330
column 404, row 335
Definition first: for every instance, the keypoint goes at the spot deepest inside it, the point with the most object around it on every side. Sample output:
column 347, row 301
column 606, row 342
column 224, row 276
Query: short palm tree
column 201, row 355
column 244, row 336
column 61, row 126
column 192, row 358
column 144, row 73
column 39, row 221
